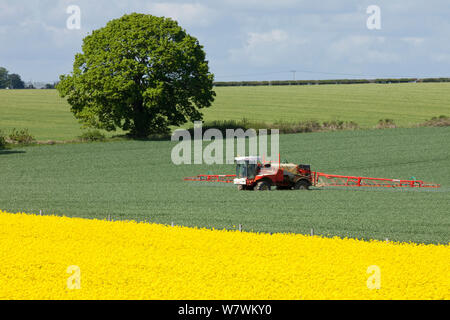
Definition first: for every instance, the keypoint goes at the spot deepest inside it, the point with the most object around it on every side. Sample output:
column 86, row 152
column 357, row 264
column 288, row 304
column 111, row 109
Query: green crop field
column 137, row 180
column 365, row 104
column 42, row 112
column 48, row 117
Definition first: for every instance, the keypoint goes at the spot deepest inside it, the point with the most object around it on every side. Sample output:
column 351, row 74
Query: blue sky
column 247, row 39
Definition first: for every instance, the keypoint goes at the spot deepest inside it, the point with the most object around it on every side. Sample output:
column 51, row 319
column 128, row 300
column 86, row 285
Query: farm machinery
column 254, row 174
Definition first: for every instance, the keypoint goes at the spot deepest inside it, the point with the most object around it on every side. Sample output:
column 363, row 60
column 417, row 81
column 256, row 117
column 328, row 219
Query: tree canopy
column 140, row 73
column 4, row 81
column 15, row 82
column 12, row 81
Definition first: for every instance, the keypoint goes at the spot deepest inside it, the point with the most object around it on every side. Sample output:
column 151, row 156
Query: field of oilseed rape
column 48, row 257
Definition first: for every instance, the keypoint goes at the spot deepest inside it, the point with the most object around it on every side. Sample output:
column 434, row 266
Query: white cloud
column 441, row 58
column 415, row 41
column 267, row 48
column 274, row 36
column 8, row 10
column 363, row 49
column 349, row 43
column 267, row 4
column 187, row 14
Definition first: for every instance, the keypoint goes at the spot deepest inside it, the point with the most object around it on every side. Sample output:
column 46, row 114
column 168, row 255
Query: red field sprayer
column 252, row 174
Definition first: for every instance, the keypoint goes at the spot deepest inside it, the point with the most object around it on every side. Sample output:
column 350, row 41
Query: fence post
column 172, row 224
column 240, row 227
column 40, row 212
column 312, row 232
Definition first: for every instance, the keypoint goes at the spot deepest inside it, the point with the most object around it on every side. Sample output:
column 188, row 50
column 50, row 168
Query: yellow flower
column 129, row 260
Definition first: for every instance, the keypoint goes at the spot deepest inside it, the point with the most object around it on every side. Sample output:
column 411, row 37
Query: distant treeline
column 318, row 82
column 14, row 81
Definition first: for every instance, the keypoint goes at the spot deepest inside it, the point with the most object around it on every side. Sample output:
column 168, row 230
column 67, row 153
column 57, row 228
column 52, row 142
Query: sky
column 248, row 39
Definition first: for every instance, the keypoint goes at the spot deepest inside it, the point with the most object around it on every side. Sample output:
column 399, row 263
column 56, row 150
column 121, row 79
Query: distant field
column 365, row 104
column 137, row 180
column 48, row 117
column 43, row 112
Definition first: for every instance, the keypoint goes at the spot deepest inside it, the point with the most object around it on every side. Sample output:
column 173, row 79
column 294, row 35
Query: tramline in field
column 254, row 174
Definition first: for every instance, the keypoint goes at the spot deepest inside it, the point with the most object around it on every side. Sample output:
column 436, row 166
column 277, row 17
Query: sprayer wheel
column 302, row 185
column 263, row 186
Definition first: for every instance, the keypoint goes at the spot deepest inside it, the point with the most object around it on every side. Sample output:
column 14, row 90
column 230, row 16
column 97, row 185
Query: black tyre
column 284, row 188
column 263, row 186
column 302, row 185
column 242, row 187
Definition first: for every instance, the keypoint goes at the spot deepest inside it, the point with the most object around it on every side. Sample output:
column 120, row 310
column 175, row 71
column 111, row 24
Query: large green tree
column 140, row 73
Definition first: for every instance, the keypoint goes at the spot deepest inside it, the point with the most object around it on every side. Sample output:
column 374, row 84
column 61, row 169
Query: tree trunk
column 141, row 119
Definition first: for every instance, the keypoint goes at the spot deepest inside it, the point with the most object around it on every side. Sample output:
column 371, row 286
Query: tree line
column 318, row 82
column 14, row 81
column 11, row 81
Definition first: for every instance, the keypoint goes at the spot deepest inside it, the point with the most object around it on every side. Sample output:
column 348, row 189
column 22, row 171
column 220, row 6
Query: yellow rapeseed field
column 128, row 260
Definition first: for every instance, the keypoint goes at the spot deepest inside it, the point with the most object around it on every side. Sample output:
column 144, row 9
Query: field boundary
column 236, row 228
column 322, row 82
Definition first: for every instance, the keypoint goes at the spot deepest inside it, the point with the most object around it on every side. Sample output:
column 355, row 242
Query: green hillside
column 48, row 117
